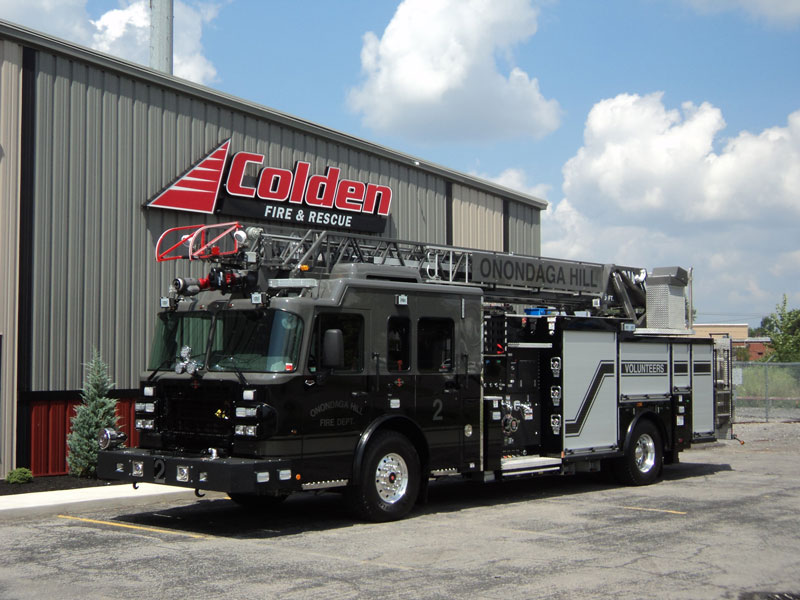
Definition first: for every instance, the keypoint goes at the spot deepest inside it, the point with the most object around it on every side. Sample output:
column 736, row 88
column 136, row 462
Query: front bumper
column 232, row 475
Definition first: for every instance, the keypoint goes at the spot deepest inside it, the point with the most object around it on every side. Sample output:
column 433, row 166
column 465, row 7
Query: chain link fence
column 764, row 391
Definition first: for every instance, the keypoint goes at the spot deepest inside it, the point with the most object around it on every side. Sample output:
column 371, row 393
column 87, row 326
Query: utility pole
column 161, row 24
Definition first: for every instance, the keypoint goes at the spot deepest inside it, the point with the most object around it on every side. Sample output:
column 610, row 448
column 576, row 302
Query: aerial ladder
column 250, row 258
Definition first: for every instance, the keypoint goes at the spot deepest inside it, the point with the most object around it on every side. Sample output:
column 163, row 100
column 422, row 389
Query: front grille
column 200, row 415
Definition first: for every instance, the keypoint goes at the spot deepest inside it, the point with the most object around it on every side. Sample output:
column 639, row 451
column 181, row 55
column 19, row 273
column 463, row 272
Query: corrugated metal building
column 86, row 141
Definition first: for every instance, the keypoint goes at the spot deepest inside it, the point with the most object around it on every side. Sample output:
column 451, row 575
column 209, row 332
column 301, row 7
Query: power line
column 731, row 314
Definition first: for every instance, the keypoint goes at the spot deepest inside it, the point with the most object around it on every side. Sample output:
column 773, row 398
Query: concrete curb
column 17, row 505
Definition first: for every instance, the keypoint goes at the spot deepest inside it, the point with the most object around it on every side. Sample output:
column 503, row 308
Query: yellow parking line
column 137, row 527
column 658, row 510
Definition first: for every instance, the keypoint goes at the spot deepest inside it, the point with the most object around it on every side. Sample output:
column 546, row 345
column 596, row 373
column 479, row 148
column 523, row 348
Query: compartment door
column 702, row 390
column 590, row 390
column 681, row 378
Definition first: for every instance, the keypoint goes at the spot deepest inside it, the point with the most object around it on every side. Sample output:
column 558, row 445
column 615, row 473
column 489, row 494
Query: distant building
column 757, row 347
column 735, row 331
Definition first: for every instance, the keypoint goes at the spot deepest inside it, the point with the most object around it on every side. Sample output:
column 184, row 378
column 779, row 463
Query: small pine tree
column 96, row 412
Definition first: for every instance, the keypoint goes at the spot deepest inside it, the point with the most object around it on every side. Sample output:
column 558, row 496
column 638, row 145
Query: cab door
column 335, row 402
column 438, row 390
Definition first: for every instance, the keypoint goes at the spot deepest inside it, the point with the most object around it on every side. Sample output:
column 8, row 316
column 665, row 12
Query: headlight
column 249, row 430
column 243, row 412
column 109, row 438
column 145, row 407
column 149, row 391
column 145, row 424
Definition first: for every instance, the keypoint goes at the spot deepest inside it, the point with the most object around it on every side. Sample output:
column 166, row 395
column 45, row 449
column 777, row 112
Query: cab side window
column 435, row 345
column 352, row 326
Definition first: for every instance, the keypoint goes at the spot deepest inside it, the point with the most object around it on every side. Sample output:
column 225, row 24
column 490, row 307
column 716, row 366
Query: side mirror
column 333, row 349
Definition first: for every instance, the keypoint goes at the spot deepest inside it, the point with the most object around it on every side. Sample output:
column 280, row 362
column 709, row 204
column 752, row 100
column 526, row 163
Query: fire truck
column 371, row 366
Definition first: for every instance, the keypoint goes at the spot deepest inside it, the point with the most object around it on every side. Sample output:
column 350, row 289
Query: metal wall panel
column 524, row 229
column 51, row 423
column 107, row 143
column 477, row 219
column 418, row 206
column 99, row 156
column 10, row 119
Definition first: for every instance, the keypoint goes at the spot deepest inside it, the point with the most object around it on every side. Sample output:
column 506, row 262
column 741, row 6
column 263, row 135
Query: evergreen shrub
column 96, row 411
column 19, row 475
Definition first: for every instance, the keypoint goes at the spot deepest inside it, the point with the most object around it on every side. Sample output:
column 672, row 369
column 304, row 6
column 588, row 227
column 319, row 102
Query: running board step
column 529, row 464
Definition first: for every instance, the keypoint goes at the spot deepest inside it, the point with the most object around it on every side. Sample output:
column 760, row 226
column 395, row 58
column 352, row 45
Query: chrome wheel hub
column 644, row 453
column 391, row 478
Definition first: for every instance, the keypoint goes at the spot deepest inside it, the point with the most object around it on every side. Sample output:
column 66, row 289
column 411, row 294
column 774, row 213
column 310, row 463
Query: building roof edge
column 36, row 39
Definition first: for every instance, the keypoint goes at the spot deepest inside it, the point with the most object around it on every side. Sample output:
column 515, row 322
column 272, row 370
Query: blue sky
column 660, row 131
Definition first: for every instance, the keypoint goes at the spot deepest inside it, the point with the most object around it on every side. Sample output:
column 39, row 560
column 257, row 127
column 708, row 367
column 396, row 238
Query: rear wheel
column 390, row 478
column 644, row 457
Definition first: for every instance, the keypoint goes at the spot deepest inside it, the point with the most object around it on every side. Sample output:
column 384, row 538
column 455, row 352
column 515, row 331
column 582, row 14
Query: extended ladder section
column 504, row 277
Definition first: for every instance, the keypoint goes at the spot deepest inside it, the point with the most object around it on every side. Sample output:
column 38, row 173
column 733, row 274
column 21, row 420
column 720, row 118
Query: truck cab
column 260, row 396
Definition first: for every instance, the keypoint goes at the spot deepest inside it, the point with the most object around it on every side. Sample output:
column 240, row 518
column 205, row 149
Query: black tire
column 390, row 479
column 255, row 502
column 644, row 456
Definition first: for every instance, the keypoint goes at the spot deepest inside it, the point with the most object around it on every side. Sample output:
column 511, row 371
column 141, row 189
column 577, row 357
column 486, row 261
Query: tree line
column 783, row 329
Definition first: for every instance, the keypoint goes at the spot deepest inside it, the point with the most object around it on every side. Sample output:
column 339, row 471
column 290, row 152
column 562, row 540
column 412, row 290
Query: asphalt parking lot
column 725, row 523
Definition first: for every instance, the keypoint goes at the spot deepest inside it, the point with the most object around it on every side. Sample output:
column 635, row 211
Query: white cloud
column 517, row 179
column 648, row 189
column 782, row 13
column 190, row 61
column 66, row 19
column 645, row 160
column 434, row 73
column 787, row 264
column 567, row 233
column 123, row 31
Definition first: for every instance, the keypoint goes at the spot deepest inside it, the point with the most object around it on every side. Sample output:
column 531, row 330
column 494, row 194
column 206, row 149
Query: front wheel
column 390, row 478
column 644, row 457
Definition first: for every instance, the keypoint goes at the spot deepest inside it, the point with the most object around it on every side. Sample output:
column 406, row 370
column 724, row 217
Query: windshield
column 266, row 341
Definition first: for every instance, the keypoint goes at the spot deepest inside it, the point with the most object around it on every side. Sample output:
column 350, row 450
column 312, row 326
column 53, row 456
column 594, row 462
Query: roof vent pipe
column 161, row 19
